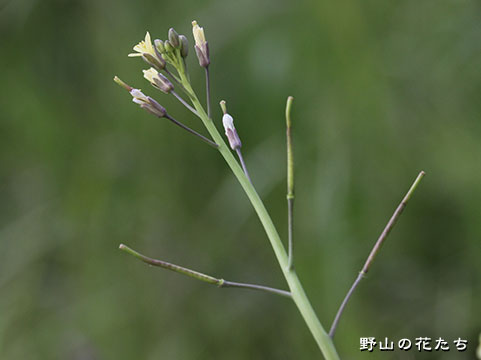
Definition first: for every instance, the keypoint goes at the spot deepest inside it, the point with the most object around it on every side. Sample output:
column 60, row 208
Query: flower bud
column 156, row 61
column 168, row 46
column 231, row 132
column 174, row 38
column 158, row 80
column 201, row 46
column 159, row 46
column 198, row 32
column 184, row 46
column 147, row 103
column 203, row 55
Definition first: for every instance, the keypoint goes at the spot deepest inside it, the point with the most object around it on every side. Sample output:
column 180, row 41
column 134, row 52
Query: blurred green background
column 382, row 90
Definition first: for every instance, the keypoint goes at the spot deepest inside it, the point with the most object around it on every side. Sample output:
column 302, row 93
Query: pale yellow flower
column 150, row 75
column 198, row 32
column 158, row 80
column 144, row 47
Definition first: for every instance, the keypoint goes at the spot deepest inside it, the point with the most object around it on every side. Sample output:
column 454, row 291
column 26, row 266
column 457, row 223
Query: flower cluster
column 163, row 56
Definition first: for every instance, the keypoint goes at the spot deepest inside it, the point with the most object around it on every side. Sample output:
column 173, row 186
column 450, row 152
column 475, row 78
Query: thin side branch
column 290, row 184
column 175, row 78
column 375, row 250
column 183, row 102
column 241, row 159
column 202, row 137
column 200, row 276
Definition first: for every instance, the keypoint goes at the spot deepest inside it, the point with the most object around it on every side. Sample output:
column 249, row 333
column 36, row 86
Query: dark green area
column 383, row 89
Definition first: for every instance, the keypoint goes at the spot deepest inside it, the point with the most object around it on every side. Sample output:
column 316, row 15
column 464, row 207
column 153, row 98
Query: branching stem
column 375, row 251
column 297, row 291
column 202, row 137
column 175, row 78
column 183, row 102
column 200, row 276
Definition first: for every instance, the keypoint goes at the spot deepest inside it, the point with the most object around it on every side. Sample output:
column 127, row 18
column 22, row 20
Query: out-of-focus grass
column 382, row 91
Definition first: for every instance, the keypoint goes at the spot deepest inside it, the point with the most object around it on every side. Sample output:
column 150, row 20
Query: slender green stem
column 175, row 78
column 375, row 251
column 207, row 91
column 290, row 183
column 200, row 276
column 243, row 164
column 202, row 137
column 183, row 102
column 298, row 295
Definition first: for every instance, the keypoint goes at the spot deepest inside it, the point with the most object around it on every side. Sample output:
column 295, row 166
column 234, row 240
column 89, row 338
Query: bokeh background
column 382, row 90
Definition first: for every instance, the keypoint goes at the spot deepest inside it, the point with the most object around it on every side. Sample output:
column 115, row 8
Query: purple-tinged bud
column 159, row 110
column 184, row 46
column 203, row 54
column 174, row 38
column 231, row 132
column 147, row 103
column 156, row 61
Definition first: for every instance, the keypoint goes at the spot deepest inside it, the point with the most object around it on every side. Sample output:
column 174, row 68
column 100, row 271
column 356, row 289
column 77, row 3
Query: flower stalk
column 173, row 52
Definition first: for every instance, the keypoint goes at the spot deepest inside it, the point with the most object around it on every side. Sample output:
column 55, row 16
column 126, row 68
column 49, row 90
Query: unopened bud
column 159, row 46
column 174, row 38
column 203, row 55
column 231, row 132
column 184, row 46
column 156, row 61
column 168, row 46
column 159, row 110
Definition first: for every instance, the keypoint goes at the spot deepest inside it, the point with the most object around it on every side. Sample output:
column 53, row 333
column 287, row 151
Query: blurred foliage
column 382, row 89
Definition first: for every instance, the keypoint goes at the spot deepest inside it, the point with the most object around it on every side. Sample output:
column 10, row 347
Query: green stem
column 298, row 294
column 290, row 182
column 201, row 276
